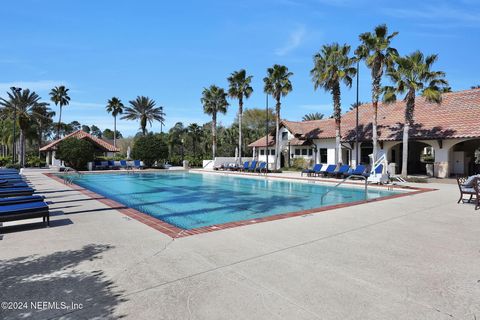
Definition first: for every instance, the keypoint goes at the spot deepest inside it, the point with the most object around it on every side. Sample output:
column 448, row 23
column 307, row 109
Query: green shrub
column 196, row 162
column 5, row 160
column 149, row 149
column 13, row 166
column 35, row 161
column 75, row 152
column 299, row 163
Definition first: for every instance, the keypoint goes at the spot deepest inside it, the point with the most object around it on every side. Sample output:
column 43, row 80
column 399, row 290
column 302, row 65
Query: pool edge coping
column 175, row 232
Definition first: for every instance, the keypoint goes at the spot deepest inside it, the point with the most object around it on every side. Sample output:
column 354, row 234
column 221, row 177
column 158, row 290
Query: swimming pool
column 192, row 200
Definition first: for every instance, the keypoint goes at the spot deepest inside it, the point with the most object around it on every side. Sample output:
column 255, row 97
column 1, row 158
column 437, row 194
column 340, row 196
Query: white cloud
column 41, row 85
column 295, row 39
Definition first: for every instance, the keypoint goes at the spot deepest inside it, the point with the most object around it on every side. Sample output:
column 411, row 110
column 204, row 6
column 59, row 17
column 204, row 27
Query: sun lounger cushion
column 23, row 207
column 21, row 199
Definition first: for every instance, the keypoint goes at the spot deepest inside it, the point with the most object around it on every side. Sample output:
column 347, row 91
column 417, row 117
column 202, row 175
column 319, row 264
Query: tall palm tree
column 378, row 55
column 239, row 88
column 59, row 96
column 195, row 132
column 278, row 84
column 413, row 74
column 214, row 100
column 332, row 65
column 22, row 102
column 115, row 107
column 43, row 117
column 143, row 109
column 313, row 116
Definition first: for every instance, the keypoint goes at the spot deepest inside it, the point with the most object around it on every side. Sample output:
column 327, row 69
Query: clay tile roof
column 262, row 142
column 102, row 144
column 456, row 117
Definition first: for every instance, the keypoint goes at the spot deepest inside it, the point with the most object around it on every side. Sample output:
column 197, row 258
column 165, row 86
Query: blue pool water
column 192, row 200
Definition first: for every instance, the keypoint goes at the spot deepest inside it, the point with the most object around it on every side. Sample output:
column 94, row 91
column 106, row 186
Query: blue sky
column 170, row 50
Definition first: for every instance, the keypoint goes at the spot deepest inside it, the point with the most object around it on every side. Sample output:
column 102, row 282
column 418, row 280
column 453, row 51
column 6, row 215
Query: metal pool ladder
column 344, row 180
column 69, row 175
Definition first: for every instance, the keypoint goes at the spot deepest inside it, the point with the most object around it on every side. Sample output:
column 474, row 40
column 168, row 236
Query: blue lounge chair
column 111, row 164
column 342, row 170
column 245, row 166
column 253, row 166
column 358, row 171
column 378, row 170
column 123, row 163
column 329, row 170
column 262, row 167
column 22, row 199
column 315, row 170
column 27, row 210
column 12, row 192
column 13, row 184
column 137, row 164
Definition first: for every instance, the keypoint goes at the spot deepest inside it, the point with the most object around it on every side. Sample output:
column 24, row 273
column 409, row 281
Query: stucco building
column 446, row 134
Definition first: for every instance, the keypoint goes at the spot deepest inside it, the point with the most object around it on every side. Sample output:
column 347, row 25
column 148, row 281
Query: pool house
column 444, row 138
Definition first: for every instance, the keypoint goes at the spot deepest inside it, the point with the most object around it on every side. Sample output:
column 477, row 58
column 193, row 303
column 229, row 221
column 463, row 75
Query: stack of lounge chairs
column 17, row 201
column 115, row 165
column 332, row 170
column 253, row 166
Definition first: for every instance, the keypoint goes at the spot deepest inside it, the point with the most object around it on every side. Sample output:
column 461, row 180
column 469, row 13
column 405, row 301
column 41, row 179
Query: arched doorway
column 419, row 155
column 464, row 158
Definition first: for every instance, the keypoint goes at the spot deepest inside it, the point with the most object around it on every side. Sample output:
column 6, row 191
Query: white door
column 459, row 162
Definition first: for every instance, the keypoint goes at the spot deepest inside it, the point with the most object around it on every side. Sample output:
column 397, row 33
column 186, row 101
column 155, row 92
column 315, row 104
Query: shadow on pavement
column 55, row 278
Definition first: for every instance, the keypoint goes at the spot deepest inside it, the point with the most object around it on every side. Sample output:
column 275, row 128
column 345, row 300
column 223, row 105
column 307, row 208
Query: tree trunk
column 240, row 114
column 406, row 128
column 374, row 132
column 337, row 114
column 409, row 109
column 214, row 135
column 277, row 134
column 40, row 137
column 115, row 131
column 377, row 73
column 59, row 122
column 22, row 148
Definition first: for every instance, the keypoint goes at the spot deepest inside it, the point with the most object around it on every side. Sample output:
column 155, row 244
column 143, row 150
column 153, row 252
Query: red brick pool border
column 176, row 232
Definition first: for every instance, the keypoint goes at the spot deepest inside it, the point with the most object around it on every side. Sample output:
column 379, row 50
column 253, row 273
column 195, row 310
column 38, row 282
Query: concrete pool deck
column 414, row 257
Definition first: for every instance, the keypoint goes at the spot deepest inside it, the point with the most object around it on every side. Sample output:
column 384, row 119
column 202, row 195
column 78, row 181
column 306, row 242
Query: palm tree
column 115, row 107
column 278, row 84
column 214, row 100
column 378, row 55
column 412, row 74
column 43, row 116
column 22, row 102
column 332, row 65
column 143, row 109
column 239, row 88
column 59, row 96
column 195, row 132
column 313, row 116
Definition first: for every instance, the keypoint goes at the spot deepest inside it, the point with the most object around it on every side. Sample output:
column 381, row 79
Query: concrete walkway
column 415, row 257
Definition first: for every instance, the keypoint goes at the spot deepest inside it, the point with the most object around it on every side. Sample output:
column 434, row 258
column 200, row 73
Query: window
column 262, row 152
column 285, row 136
column 272, row 152
column 304, row 152
column 323, row 155
column 297, row 152
column 310, row 152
